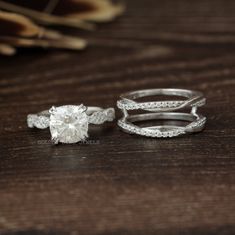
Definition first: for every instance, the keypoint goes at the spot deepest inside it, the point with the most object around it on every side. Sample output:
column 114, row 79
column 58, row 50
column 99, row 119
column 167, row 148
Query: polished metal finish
column 69, row 123
column 162, row 110
column 96, row 115
column 193, row 98
column 196, row 124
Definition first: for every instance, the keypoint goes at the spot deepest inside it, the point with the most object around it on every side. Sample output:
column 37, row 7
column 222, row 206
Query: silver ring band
column 69, row 123
column 162, row 110
column 128, row 100
column 197, row 123
column 96, row 115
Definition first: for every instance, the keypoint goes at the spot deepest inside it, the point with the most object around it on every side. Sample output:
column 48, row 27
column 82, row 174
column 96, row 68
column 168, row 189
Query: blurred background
column 69, row 52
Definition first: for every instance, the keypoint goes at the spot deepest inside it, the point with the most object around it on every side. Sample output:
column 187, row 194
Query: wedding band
column 197, row 123
column 162, row 110
column 128, row 100
column 69, row 123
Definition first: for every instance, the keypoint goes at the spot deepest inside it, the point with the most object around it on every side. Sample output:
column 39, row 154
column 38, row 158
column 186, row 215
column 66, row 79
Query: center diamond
column 68, row 124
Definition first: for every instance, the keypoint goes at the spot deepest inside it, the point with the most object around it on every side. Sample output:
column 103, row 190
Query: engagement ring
column 69, row 124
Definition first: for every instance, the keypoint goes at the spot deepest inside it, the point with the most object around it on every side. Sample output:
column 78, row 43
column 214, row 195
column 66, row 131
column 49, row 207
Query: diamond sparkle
column 68, row 124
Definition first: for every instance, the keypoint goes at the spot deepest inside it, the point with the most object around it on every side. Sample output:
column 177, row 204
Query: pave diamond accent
column 132, row 105
column 161, row 110
column 156, row 132
column 197, row 124
column 68, row 124
column 150, row 132
column 41, row 122
column 102, row 116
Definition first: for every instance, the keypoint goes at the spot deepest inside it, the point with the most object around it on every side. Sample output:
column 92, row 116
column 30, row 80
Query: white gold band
column 162, row 110
column 196, row 124
column 69, row 123
column 96, row 115
column 128, row 100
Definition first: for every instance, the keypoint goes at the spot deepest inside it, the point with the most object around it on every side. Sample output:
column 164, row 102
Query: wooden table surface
column 119, row 184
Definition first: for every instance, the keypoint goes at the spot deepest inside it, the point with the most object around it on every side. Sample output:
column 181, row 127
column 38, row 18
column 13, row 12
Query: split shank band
column 162, row 110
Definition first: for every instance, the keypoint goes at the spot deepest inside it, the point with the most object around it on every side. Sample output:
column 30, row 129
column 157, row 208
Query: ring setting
column 70, row 123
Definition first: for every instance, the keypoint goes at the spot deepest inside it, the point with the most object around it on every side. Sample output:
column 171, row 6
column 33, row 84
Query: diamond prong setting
column 55, row 140
column 52, row 109
column 68, row 124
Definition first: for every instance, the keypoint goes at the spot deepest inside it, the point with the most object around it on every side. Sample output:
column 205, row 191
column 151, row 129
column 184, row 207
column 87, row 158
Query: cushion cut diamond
column 68, row 124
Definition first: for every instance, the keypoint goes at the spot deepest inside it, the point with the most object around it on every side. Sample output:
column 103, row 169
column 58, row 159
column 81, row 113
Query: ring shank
column 196, row 124
column 96, row 115
column 129, row 101
column 169, row 92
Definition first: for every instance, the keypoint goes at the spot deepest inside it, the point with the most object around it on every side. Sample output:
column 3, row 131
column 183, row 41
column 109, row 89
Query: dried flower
column 18, row 19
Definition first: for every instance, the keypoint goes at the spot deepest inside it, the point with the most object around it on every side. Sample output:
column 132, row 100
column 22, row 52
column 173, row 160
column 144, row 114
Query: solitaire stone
column 68, row 124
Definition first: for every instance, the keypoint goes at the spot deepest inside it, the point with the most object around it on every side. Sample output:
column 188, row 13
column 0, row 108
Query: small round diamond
column 68, row 124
